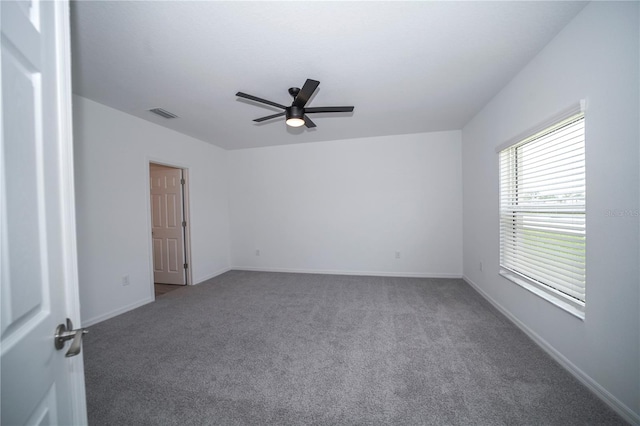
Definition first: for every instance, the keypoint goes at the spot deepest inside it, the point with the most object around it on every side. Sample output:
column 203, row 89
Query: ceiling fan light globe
column 295, row 122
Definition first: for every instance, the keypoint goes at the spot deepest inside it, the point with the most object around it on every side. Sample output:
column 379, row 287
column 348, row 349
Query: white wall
column 595, row 57
column 112, row 154
column 347, row 206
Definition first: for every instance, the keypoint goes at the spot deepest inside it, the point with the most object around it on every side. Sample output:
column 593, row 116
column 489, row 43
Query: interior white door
column 167, row 226
column 39, row 263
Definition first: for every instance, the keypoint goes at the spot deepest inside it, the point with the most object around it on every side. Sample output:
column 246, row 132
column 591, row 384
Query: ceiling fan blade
column 307, row 90
column 255, row 98
column 328, row 109
column 269, row 117
column 308, row 122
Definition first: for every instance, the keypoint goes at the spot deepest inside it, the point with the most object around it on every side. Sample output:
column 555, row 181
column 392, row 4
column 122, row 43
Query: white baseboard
column 127, row 308
column 208, row 277
column 624, row 411
column 116, row 312
column 360, row 273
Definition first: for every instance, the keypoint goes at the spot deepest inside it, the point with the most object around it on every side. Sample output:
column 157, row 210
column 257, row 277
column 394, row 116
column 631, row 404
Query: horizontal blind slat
column 572, row 259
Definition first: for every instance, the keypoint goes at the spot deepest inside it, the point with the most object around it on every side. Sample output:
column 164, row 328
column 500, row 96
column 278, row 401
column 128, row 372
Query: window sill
column 573, row 309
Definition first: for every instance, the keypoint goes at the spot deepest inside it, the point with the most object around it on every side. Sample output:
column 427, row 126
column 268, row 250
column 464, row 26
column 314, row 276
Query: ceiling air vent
column 162, row 113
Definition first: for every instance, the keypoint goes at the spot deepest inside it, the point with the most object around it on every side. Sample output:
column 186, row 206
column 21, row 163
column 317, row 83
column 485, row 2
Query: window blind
column 542, row 209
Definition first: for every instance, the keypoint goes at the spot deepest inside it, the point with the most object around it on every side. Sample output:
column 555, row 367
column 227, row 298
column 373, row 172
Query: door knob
column 66, row 332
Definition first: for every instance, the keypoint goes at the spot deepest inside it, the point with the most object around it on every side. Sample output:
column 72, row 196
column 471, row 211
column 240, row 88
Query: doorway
column 169, row 227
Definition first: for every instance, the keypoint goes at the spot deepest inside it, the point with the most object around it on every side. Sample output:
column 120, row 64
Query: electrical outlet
column 257, row 252
column 397, row 255
column 125, row 280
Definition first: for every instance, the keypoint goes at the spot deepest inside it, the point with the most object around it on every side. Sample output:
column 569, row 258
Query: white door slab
column 167, row 226
column 39, row 284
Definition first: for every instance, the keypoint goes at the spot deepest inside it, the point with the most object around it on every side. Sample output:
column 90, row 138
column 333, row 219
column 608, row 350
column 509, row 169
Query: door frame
column 187, row 218
column 75, row 365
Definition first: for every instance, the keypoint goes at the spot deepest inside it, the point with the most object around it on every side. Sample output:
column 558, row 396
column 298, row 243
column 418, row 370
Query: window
column 542, row 213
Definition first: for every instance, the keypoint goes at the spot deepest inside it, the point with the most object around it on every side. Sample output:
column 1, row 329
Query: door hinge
column 184, row 223
column 186, row 265
column 182, row 181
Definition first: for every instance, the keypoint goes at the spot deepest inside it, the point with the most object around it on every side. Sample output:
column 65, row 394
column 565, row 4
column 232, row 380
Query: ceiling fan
column 296, row 114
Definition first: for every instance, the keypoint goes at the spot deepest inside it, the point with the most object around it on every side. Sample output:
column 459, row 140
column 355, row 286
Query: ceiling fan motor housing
column 294, row 112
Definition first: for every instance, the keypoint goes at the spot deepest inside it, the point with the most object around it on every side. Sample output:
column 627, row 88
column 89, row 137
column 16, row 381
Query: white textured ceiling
column 407, row 67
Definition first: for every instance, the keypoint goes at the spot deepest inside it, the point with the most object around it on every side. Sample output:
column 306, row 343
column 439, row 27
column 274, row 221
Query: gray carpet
column 258, row 348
